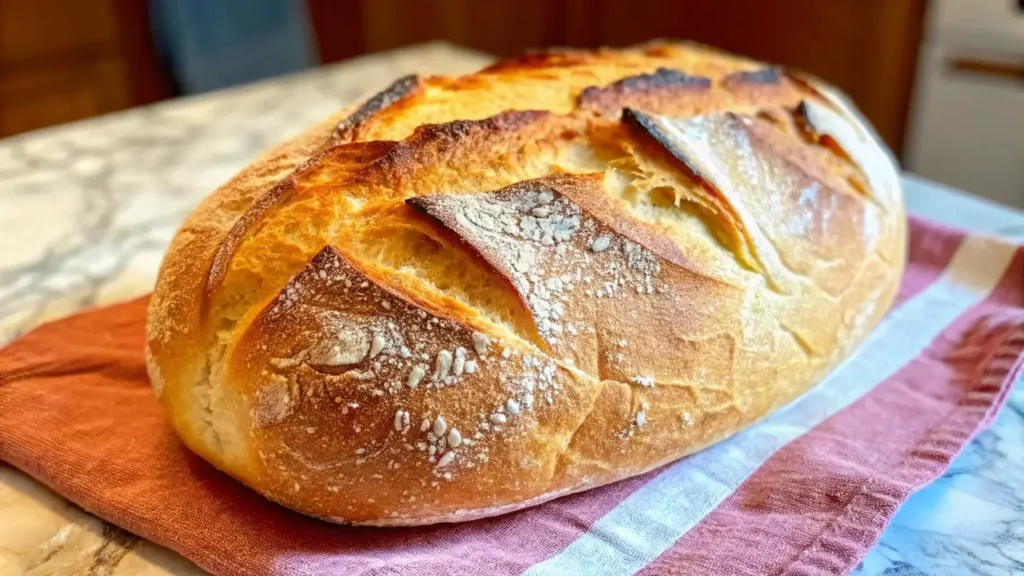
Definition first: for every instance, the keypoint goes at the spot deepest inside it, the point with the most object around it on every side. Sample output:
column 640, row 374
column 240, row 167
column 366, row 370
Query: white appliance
column 966, row 125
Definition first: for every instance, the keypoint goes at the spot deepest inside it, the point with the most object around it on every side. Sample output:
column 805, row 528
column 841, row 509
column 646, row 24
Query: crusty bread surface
column 469, row 295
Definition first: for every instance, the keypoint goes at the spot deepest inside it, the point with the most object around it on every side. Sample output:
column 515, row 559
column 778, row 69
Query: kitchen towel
column 806, row 491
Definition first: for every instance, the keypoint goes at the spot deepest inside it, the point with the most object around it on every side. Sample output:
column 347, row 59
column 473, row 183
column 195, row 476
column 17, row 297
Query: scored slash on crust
column 399, row 90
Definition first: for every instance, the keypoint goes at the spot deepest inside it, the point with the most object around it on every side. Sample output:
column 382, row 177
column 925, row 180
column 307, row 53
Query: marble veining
column 87, row 210
column 970, row 521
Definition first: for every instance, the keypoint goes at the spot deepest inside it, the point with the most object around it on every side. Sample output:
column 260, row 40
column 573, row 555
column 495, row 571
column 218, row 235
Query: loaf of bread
column 470, row 295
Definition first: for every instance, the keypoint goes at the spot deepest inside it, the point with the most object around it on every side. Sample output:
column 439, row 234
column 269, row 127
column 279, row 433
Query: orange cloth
column 77, row 412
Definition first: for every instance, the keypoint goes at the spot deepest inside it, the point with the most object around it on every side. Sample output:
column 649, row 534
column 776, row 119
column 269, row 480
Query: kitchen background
column 942, row 80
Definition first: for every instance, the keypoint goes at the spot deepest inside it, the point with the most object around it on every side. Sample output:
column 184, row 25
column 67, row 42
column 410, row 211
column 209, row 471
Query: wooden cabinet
column 64, row 60
column 40, row 97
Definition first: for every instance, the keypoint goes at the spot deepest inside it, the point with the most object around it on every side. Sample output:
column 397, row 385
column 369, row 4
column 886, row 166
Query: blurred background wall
column 942, row 80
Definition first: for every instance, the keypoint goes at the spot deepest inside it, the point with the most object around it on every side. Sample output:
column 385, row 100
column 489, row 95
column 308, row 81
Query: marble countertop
column 87, row 210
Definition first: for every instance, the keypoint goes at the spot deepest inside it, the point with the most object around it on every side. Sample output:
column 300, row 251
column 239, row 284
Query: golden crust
column 470, row 295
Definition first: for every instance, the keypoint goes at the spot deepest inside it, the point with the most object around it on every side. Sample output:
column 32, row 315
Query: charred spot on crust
column 398, row 90
column 421, row 147
column 635, row 90
column 765, row 77
column 645, row 126
column 507, row 121
column 763, row 86
column 660, row 79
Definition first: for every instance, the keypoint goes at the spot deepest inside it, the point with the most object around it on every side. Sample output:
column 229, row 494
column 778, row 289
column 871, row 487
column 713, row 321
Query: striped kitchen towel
column 807, row 491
